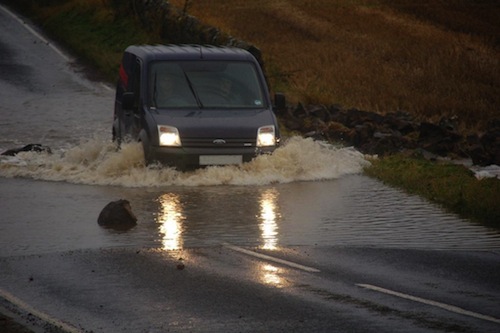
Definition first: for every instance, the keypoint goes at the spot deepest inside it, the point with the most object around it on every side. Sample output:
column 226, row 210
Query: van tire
column 146, row 148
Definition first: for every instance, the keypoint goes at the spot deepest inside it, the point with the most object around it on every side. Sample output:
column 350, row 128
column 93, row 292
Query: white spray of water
column 97, row 162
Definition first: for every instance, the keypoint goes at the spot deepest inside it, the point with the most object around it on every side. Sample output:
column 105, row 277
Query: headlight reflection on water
column 171, row 218
column 269, row 216
column 270, row 274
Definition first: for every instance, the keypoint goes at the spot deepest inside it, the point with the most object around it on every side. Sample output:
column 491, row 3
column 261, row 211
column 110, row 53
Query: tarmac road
column 231, row 289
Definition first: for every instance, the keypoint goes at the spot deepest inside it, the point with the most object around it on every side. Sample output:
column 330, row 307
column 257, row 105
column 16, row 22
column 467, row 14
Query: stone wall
column 373, row 133
column 176, row 26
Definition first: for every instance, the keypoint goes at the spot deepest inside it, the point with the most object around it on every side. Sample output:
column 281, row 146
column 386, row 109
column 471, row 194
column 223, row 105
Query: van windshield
column 205, row 84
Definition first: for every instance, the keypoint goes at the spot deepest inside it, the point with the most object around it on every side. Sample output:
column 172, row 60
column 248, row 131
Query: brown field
column 430, row 58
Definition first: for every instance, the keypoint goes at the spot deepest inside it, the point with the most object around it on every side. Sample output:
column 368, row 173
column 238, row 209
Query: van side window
column 136, row 82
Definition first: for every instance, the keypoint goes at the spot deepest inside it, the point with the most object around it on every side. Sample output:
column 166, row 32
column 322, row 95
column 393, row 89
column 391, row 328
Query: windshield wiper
column 155, row 92
column 190, row 84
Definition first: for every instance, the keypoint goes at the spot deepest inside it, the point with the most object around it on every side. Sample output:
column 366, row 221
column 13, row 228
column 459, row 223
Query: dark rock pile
column 372, row 133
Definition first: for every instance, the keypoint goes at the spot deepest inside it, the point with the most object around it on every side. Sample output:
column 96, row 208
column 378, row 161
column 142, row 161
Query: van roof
column 189, row 52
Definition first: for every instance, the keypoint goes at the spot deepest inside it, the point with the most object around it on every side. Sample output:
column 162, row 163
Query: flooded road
column 41, row 217
column 307, row 193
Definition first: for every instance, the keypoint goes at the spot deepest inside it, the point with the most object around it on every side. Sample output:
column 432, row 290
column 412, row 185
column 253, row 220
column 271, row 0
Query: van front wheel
column 146, row 148
column 147, row 153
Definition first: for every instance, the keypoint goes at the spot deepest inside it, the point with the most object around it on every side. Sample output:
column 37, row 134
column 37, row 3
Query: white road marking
column 444, row 306
column 42, row 316
column 269, row 258
column 32, row 31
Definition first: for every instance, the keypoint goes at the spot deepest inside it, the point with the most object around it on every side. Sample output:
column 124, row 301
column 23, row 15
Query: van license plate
column 220, row 159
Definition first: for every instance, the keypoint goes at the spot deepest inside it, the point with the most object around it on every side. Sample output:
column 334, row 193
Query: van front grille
column 217, row 143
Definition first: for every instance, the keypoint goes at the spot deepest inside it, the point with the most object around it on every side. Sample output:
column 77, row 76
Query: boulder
column 490, row 140
column 438, row 139
column 117, row 215
column 475, row 150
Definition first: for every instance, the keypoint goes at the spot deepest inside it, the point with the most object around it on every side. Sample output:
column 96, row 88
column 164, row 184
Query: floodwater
column 306, row 193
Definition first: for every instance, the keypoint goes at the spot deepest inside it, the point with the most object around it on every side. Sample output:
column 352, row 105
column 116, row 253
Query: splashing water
column 97, row 162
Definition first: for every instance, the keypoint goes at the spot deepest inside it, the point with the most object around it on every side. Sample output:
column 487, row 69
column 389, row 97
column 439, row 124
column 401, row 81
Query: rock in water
column 117, row 214
column 31, row 147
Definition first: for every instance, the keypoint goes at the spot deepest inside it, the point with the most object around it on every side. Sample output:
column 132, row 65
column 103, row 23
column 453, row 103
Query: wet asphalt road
column 220, row 289
column 61, row 272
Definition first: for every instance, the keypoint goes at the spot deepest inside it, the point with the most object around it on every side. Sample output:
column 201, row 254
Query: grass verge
column 452, row 186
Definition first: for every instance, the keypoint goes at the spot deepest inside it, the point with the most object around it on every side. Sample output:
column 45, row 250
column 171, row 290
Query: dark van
column 193, row 105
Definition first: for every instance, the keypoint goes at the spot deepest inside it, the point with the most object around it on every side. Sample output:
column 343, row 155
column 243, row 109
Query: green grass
column 452, row 186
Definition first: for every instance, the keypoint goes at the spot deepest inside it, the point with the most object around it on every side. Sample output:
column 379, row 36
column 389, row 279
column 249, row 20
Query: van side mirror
column 279, row 103
column 128, row 100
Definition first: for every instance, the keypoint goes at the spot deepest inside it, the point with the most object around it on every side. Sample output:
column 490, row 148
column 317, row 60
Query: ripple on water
column 386, row 217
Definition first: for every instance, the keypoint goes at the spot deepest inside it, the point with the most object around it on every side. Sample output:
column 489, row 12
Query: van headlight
column 266, row 136
column 168, row 136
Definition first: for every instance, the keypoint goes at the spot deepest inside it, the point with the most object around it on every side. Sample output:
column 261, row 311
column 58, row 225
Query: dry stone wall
column 175, row 26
